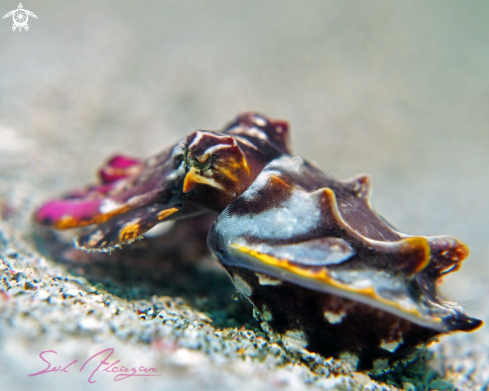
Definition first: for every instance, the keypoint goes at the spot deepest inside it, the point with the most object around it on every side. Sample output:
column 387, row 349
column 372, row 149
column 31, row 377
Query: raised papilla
column 321, row 268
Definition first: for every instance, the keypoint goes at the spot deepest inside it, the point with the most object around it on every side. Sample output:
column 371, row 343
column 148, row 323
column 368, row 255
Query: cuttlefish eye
column 198, row 172
column 215, row 161
column 200, row 162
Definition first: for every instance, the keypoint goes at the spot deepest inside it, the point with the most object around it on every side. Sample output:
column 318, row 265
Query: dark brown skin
column 204, row 172
column 332, row 270
column 308, row 251
column 360, row 332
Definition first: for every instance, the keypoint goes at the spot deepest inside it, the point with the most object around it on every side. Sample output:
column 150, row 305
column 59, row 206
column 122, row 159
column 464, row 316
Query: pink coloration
column 120, row 161
column 132, row 190
column 118, row 167
column 120, row 372
column 48, row 369
column 79, row 210
column 81, row 207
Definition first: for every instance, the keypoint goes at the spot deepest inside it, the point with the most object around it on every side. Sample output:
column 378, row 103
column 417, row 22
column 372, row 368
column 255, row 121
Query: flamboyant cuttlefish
column 321, row 268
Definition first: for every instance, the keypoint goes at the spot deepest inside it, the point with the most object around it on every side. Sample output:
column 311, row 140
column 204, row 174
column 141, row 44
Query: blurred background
column 397, row 90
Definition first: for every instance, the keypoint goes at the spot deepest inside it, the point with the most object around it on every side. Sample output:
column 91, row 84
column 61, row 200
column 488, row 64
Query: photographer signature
column 121, row 372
